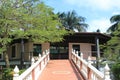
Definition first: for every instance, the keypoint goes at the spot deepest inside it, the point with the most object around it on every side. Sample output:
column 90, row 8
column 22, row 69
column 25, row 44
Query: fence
column 33, row 72
column 88, row 71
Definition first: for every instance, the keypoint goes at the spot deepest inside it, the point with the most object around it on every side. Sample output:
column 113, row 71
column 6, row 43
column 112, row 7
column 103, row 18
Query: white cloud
column 106, row 7
column 101, row 24
column 115, row 13
column 95, row 4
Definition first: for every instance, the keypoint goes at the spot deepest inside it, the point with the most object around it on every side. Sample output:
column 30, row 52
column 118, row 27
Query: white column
column 98, row 49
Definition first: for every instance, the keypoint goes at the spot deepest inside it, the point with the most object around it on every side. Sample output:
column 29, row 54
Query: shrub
column 8, row 73
column 116, row 71
column 21, row 71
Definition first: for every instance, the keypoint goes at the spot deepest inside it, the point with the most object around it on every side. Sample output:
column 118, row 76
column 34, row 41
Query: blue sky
column 96, row 12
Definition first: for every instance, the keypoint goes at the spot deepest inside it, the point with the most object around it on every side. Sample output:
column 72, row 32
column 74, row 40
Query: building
column 85, row 42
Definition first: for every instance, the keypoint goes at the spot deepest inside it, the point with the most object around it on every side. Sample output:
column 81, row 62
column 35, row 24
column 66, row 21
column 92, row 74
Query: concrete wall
column 85, row 48
column 28, row 51
column 17, row 48
column 28, row 48
column 45, row 46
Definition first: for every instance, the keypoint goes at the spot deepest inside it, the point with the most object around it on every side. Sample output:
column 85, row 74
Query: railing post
column 16, row 73
column 77, row 53
column 88, row 69
column 72, row 54
column 32, row 61
column 46, row 51
column 48, row 55
column 76, row 57
column 89, row 60
column 81, row 55
column 39, row 55
column 89, row 74
column 43, row 53
column 72, row 50
column 107, row 72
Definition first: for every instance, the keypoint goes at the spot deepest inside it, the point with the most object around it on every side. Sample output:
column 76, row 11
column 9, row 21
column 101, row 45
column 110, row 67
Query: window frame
column 35, row 47
column 13, row 53
column 1, row 56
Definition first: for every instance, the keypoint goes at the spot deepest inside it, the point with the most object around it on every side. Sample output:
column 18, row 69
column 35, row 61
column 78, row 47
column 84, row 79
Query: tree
column 112, row 49
column 27, row 19
column 71, row 21
column 116, row 21
column 7, row 22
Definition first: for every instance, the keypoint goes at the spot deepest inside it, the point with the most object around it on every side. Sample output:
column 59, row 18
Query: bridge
column 75, row 68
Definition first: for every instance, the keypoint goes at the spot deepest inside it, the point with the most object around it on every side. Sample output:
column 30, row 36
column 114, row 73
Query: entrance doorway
column 59, row 52
column 76, row 47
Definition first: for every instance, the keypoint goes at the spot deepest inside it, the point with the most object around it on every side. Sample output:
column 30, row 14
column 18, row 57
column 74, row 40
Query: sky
column 96, row 12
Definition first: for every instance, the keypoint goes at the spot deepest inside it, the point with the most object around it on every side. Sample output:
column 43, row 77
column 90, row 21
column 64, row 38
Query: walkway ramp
column 60, row 70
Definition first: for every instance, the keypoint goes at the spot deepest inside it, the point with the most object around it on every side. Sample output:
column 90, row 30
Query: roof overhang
column 87, row 37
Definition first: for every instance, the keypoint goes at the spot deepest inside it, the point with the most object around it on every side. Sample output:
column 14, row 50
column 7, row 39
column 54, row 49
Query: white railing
column 88, row 71
column 34, row 71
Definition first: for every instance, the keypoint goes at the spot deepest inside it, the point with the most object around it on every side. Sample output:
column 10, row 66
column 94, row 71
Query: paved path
column 60, row 70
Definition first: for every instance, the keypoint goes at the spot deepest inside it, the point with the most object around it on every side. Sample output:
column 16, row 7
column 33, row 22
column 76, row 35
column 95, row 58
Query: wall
column 28, row 51
column 85, row 48
column 45, row 46
column 17, row 48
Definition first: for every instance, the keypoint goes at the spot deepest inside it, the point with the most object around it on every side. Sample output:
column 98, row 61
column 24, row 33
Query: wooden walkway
column 60, row 70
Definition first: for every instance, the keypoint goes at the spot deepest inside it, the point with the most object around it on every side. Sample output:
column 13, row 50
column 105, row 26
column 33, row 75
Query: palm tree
column 71, row 21
column 116, row 21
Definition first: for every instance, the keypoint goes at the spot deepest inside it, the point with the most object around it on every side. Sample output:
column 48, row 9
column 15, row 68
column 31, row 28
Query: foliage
column 71, row 21
column 8, row 73
column 27, row 19
column 41, row 25
column 116, row 21
column 116, row 71
column 112, row 48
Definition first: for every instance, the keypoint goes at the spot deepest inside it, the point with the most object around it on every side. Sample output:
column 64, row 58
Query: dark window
column 0, row 56
column 76, row 47
column 13, row 51
column 54, row 50
column 58, row 49
column 63, row 49
column 37, row 49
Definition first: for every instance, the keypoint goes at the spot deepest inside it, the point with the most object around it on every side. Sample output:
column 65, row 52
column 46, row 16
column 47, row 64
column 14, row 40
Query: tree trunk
column 7, row 60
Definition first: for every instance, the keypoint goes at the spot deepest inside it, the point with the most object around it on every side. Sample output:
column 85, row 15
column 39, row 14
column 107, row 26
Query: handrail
column 88, row 71
column 33, row 72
